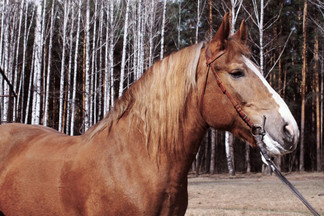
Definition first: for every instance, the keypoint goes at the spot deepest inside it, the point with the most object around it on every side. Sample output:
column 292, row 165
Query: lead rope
column 258, row 132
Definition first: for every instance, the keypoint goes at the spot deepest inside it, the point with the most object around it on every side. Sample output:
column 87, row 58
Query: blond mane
column 157, row 100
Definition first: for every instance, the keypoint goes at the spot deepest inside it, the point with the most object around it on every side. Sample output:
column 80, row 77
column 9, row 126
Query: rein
column 257, row 131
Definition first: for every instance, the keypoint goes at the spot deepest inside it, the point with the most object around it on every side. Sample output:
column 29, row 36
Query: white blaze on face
column 272, row 145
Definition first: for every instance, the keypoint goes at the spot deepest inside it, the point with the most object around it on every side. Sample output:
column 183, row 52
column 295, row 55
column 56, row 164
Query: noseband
column 257, row 131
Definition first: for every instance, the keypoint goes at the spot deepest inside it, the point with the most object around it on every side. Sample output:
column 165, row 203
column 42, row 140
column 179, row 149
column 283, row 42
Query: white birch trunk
column 179, row 24
column 111, row 52
column 163, row 29
column 93, row 75
column 229, row 153
column 235, row 10
column 100, row 69
column 123, row 61
column 5, row 66
column 198, row 21
column 259, row 23
column 38, row 49
column 152, row 19
column 43, row 75
column 142, row 47
column 87, row 70
column 213, row 151
column 49, row 65
column 74, row 89
column 62, row 76
column 229, row 138
column 261, row 36
column 68, row 108
column 30, row 87
column 21, row 91
column 3, row 15
column 15, row 83
column 1, row 65
column 137, row 42
column 107, row 69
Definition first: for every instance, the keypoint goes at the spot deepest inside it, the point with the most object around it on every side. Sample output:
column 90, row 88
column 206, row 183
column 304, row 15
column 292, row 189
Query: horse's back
column 31, row 160
column 16, row 139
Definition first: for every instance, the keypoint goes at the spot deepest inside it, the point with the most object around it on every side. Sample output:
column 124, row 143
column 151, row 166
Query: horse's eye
column 237, row 73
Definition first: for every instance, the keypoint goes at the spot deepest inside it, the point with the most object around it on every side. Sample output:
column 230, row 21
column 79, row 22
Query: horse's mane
column 157, row 100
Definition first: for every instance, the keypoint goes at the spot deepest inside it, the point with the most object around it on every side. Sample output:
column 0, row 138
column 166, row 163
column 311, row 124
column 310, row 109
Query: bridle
column 235, row 104
column 257, row 131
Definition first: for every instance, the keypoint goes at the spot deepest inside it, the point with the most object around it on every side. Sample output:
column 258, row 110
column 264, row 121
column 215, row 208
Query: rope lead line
column 259, row 133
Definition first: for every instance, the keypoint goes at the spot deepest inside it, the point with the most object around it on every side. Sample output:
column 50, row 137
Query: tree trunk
column 247, row 158
column 111, row 53
column 100, row 69
column 303, row 92
column 62, row 76
column 210, row 18
column 87, row 83
column 229, row 153
column 317, row 93
column 94, row 74
column 213, row 151
column 198, row 21
column 15, row 83
column 163, row 29
column 74, row 89
column 68, row 109
column 49, row 66
column 123, row 61
column 38, row 49
column 151, row 46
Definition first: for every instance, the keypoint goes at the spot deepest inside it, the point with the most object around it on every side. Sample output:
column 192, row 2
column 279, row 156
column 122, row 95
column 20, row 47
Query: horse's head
column 245, row 83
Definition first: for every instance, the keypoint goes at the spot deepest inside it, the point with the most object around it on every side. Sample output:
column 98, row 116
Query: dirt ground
column 254, row 195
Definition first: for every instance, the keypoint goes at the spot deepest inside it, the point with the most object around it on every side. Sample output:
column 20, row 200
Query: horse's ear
column 222, row 33
column 241, row 34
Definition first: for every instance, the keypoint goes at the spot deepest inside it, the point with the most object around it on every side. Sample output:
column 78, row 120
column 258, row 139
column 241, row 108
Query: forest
column 64, row 63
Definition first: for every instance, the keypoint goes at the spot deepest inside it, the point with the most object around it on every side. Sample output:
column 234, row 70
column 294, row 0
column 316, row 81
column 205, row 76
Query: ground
column 254, row 195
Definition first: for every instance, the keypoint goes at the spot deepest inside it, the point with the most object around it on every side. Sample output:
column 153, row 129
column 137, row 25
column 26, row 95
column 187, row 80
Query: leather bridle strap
column 235, row 104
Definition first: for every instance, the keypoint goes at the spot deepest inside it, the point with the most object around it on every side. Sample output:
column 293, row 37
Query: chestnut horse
column 135, row 161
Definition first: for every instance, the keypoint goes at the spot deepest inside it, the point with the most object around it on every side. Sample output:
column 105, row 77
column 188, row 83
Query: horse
column 135, row 161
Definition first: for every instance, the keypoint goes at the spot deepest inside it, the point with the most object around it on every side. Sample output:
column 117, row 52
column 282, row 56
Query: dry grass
column 254, row 195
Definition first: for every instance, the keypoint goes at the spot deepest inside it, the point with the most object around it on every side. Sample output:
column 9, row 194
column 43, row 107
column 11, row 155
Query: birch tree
column 49, row 65
column 68, row 108
column 229, row 138
column 163, row 29
column 100, row 69
column 21, row 89
column 62, row 77
column 93, row 75
column 123, row 60
column 151, row 34
column 21, row 14
column 75, row 72
column 38, row 50
column 107, row 84
column 5, row 63
column 87, row 69
column 111, row 52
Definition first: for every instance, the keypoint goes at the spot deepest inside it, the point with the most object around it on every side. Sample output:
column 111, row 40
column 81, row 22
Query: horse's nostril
column 289, row 133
